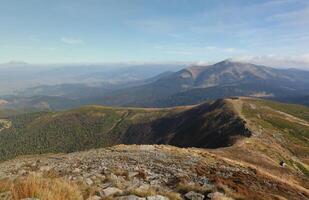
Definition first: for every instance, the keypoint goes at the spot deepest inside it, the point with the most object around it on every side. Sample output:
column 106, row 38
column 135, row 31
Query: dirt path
column 290, row 118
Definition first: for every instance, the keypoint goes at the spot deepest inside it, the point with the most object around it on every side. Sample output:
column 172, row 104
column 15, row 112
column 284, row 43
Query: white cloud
column 299, row 61
column 72, row 41
column 201, row 50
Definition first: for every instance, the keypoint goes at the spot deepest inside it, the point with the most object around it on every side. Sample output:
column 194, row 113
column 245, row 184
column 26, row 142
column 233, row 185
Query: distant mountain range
column 199, row 83
column 15, row 78
column 191, row 85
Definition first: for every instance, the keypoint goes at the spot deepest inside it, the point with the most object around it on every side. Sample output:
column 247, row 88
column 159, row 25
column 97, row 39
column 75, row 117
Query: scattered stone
column 89, row 181
column 111, row 191
column 146, row 147
column 106, row 185
column 130, row 197
column 113, row 176
column 76, row 171
column 218, row 196
column 132, row 174
column 157, row 197
column 148, row 172
column 45, row 168
column 194, row 196
column 23, row 172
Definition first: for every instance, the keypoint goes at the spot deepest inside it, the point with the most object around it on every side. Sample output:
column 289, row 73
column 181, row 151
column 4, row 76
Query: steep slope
column 280, row 134
column 208, row 125
column 224, row 79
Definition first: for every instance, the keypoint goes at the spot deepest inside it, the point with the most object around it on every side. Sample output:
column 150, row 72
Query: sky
column 92, row 31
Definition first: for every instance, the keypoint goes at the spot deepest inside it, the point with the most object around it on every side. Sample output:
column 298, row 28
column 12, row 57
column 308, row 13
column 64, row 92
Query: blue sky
column 66, row 31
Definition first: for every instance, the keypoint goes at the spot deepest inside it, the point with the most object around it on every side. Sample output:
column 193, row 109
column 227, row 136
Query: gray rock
column 194, row 196
column 218, row 195
column 157, row 197
column 89, row 181
column 132, row 174
column 77, row 171
column 111, row 191
column 131, row 197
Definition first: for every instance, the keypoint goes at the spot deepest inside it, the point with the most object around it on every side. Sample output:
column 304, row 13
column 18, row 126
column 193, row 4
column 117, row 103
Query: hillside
column 141, row 172
column 97, row 126
column 280, row 134
column 246, row 141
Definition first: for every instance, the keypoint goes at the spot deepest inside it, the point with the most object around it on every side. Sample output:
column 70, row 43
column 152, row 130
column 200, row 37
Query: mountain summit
column 191, row 85
column 223, row 79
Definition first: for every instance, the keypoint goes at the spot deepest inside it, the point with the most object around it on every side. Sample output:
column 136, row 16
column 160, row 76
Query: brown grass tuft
column 143, row 192
column 171, row 195
column 44, row 189
column 5, row 185
column 184, row 188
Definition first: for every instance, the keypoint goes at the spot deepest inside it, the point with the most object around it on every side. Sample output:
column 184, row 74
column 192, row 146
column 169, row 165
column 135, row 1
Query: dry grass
column 120, row 172
column 184, row 188
column 143, row 192
column 45, row 189
column 5, row 185
column 220, row 196
column 171, row 195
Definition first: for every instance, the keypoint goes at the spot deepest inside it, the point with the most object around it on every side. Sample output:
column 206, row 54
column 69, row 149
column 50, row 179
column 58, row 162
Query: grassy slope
column 280, row 133
column 287, row 124
column 78, row 129
column 280, row 130
column 209, row 125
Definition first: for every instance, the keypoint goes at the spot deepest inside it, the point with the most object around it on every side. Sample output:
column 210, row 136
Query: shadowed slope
column 208, row 125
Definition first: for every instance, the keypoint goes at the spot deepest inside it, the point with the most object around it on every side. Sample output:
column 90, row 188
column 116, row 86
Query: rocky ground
column 152, row 172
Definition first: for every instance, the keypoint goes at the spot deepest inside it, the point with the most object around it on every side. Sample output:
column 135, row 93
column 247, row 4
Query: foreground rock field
column 152, row 172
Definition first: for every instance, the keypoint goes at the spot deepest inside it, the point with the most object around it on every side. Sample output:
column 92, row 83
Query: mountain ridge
column 237, row 142
column 235, row 75
column 190, row 85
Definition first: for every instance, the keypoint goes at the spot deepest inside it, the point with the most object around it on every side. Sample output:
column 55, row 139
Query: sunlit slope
column 280, row 134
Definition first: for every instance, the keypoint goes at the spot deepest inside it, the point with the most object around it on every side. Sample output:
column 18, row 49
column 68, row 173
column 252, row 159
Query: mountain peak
column 232, row 62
